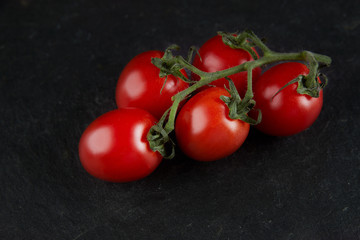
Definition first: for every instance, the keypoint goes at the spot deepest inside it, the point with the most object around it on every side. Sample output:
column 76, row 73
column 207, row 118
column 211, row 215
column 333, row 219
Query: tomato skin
column 204, row 130
column 217, row 56
column 139, row 85
column 288, row 112
column 114, row 147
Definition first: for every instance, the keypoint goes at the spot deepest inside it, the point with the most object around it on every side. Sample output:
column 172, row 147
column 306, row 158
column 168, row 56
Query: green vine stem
column 246, row 40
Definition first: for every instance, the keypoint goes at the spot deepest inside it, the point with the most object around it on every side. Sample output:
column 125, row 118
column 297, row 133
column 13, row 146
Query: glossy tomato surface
column 139, row 85
column 114, row 146
column 204, row 130
column 287, row 112
column 217, row 56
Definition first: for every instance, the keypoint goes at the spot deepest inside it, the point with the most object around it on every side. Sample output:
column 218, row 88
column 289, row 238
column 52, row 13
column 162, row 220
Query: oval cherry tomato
column 204, row 130
column 114, row 147
column 139, row 85
column 217, row 56
column 287, row 112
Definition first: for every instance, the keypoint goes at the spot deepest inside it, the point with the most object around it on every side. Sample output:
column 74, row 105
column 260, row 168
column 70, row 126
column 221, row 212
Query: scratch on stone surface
column 328, row 213
column 81, row 234
column 324, row 128
column 219, row 231
column 352, row 25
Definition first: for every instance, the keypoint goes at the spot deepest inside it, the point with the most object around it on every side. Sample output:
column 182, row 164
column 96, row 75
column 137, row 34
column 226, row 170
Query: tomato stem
column 206, row 78
column 172, row 65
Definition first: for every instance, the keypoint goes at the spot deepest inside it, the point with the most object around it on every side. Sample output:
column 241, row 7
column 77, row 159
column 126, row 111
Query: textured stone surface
column 59, row 63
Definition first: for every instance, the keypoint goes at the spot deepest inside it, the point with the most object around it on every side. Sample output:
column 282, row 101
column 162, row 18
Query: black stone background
column 59, row 63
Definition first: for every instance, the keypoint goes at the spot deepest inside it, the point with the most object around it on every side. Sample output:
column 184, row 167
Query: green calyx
column 168, row 64
column 239, row 41
column 316, row 87
column 159, row 135
column 159, row 139
column 315, row 81
column 239, row 109
column 310, row 84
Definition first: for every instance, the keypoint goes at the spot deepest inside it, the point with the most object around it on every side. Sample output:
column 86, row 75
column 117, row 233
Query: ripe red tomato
column 204, row 130
column 217, row 56
column 114, row 147
column 139, row 85
column 288, row 112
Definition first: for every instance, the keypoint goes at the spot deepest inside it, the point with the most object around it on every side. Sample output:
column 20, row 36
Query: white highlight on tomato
column 231, row 125
column 138, row 135
column 199, row 122
column 134, row 86
column 101, row 140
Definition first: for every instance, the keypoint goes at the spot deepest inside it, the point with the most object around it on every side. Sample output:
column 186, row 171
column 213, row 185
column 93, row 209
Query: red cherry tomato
column 287, row 112
column 204, row 130
column 114, row 147
column 217, row 56
column 139, row 85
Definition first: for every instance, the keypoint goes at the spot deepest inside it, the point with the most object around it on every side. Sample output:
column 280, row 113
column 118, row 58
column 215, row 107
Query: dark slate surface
column 59, row 63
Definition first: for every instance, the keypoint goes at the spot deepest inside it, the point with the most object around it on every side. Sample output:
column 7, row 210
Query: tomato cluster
column 115, row 147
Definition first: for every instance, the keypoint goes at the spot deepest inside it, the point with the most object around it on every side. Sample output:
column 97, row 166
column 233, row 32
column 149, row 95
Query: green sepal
column 169, row 65
column 313, row 91
column 238, row 42
column 297, row 79
column 238, row 108
column 191, row 52
column 159, row 139
column 302, row 89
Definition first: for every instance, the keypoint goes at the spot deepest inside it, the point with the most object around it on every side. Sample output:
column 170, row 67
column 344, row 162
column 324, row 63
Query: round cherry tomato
column 204, row 130
column 139, row 85
column 114, row 147
column 287, row 112
column 216, row 56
